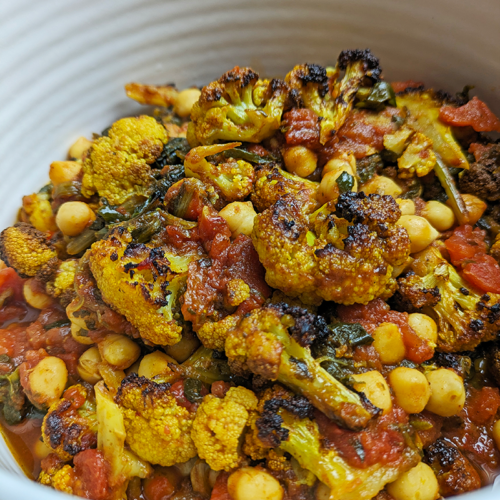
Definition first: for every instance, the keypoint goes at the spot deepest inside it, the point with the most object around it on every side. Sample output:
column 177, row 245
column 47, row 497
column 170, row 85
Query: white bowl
column 63, row 65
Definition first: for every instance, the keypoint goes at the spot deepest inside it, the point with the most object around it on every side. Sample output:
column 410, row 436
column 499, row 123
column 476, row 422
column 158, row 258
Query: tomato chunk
column 408, row 84
column 475, row 114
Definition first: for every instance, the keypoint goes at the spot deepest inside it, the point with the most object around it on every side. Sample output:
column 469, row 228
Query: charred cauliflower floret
column 237, row 107
column 331, row 100
column 272, row 183
column 62, row 285
column 136, row 281
column 158, row 430
column 346, row 256
column 27, row 250
column 118, row 165
column 232, row 179
column 38, row 211
column 271, row 342
column 463, row 315
column 219, row 425
column 70, row 425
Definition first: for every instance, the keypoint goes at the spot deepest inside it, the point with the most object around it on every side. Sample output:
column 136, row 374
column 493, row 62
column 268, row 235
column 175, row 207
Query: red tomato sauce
column 475, row 114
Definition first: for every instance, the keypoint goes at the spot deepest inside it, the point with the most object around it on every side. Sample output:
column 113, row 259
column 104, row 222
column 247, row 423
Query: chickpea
column 41, row 449
column 425, row 327
column 344, row 163
column 475, row 206
column 48, row 380
column 439, row 215
column 119, row 351
column 329, row 188
column 73, row 217
column 64, row 171
column 88, row 365
column 388, row 342
column 375, row 387
column 79, row 147
column 239, row 216
column 496, row 433
column 185, row 101
column 34, row 294
column 323, row 492
column 411, row 389
column 81, row 335
column 407, row 207
column 184, row 348
column 249, row 483
column 300, row 160
column 418, row 483
column 157, row 364
column 447, row 392
column 421, row 233
column 379, row 184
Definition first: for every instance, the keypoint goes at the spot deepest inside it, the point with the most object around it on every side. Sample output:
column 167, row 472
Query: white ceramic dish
column 63, row 64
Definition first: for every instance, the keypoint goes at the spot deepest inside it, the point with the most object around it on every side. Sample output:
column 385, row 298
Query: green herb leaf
column 57, row 324
column 345, row 182
column 381, row 94
column 248, row 156
column 192, row 390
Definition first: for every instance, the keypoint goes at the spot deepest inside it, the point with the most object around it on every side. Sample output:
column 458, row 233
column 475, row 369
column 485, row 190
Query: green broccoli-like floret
column 118, row 165
column 262, row 344
column 12, row 397
column 237, row 107
column 70, row 425
column 331, row 100
column 158, row 429
column 27, row 250
column 464, row 317
column 232, row 179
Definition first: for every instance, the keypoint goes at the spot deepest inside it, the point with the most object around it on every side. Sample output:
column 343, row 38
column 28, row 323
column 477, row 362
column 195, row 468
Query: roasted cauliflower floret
column 27, row 249
column 344, row 254
column 70, row 425
column 219, row 425
column 158, row 430
column 237, row 107
column 136, row 281
column 38, row 211
column 272, row 183
column 118, row 165
column 434, row 287
column 62, row 285
column 331, row 100
column 232, row 179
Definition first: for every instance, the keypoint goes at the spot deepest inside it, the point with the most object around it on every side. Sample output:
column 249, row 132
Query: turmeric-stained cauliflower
column 136, row 281
column 219, row 425
column 27, row 249
column 118, row 165
column 70, row 425
column 61, row 285
column 232, row 179
column 158, row 429
column 237, row 107
column 345, row 255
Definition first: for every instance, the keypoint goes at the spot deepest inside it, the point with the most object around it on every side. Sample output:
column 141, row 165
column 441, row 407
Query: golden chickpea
column 184, row 348
column 375, row 388
column 81, row 335
column 323, row 492
column 380, row 184
column 425, row 327
column 418, row 483
column 79, row 147
column 496, row 433
column 88, row 365
column 119, row 351
column 73, row 217
column 41, row 449
column 185, row 100
column 47, row 381
column 300, row 160
column 249, row 483
column 388, row 342
column 34, row 294
column 447, row 392
column 64, row 171
column 343, row 163
column 420, row 232
column 157, row 364
column 475, row 206
column 411, row 389
column 439, row 215
column 329, row 188
column 407, row 207
column 239, row 216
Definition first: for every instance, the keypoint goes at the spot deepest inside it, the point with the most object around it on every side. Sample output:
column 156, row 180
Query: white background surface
column 63, row 64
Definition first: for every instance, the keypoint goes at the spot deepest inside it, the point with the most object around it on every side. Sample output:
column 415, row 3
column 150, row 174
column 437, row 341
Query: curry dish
column 266, row 289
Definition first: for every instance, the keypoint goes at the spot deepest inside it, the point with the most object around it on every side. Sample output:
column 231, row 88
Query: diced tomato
column 482, row 405
column 220, row 491
column 408, row 84
column 220, row 388
column 475, row 114
column 478, row 150
column 158, row 487
column 483, row 273
column 92, row 470
column 302, row 128
column 9, row 279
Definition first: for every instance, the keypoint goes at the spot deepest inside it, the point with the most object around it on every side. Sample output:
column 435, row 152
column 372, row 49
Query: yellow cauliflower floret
column 61, row 480
column 62, row 286
column 158, row 430
column 39, row 211
column 418, row 158
column 136, row 281
column 118, row 165
column 26, row 249
column 218, row 427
